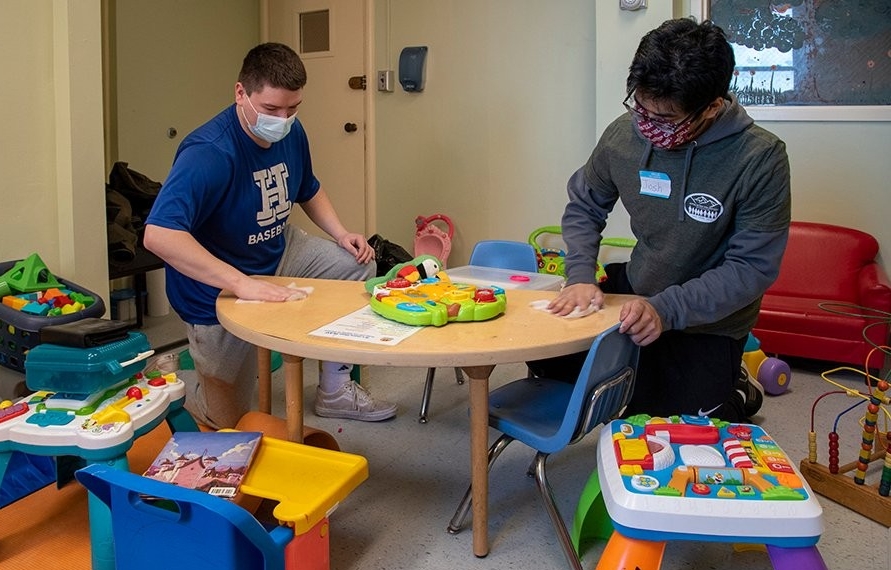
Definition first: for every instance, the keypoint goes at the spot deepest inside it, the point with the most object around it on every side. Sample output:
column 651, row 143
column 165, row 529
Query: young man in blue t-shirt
column 222, row 216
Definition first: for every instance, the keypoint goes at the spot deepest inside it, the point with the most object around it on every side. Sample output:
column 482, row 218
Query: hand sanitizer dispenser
column 411, row 68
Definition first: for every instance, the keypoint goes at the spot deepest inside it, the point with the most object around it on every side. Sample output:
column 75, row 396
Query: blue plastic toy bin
column 20, row 332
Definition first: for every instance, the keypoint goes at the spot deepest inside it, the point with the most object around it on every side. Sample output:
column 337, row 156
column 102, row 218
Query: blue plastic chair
column 501, row 254
column 548, row 414
column 158, row 525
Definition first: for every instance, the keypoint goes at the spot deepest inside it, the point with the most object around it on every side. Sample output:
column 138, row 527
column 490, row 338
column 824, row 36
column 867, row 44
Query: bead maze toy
column 419, row 293
column 695, row 478
column 847, row 483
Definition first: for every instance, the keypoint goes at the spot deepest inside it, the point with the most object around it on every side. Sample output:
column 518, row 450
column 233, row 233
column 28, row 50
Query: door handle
column 350, row 127
column 357, row 82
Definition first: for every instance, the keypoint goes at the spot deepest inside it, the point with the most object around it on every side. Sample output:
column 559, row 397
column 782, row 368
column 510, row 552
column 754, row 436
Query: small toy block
column 30, row 274
column 52, row 293
column 72, row 308
column 35, row 308
column 61, row 301
column 14, row 302
column 85, row 300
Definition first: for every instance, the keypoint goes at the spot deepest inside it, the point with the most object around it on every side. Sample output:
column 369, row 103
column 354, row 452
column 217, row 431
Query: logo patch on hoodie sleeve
column 703, row 208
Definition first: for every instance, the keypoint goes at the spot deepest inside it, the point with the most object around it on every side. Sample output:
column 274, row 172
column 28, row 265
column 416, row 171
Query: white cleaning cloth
column 300, row 293
column 576, row 313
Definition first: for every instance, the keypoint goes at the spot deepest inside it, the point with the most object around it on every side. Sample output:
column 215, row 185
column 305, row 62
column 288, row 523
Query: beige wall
column 52, row 170
column 506, row 115
column 517, row 92
column 176, row 67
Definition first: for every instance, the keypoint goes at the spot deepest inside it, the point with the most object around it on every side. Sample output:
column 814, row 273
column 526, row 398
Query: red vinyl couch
column 835, row 267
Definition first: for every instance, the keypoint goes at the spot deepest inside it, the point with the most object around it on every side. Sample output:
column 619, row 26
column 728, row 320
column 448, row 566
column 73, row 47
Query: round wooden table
column 521, row 334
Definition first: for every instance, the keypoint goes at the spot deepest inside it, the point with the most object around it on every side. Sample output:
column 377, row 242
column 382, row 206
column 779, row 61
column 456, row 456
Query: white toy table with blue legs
column 99, row 428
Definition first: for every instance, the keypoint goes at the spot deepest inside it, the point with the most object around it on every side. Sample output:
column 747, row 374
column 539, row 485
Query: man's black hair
column 685, row 62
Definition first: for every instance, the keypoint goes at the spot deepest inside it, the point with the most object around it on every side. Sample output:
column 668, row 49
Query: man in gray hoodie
column 709, row 201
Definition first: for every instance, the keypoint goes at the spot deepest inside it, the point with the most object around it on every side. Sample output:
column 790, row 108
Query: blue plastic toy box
column 68, row 370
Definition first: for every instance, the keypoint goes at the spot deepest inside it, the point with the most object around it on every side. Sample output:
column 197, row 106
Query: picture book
column 213, row 462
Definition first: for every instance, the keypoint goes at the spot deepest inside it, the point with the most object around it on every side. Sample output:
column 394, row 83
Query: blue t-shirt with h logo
column 234, row 197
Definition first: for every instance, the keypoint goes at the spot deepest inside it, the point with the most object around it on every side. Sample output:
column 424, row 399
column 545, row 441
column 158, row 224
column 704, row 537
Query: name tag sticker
column 656, row 184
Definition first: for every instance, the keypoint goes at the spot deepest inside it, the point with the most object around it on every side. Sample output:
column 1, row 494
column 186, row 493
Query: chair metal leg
column 425, row 398
column 550, row 504
column 464, row 507
column 428, row 391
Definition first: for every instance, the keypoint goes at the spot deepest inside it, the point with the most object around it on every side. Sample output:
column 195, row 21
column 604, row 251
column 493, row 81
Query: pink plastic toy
column 432, row 240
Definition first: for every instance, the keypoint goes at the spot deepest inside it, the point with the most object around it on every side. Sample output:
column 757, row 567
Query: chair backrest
column 605, row 382
column 823, row 261
column 194, row 529
column 502, row 254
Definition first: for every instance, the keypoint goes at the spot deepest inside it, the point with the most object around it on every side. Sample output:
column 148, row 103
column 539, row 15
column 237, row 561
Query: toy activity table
column 98, row 429
column 690, row 478
column 522, row 333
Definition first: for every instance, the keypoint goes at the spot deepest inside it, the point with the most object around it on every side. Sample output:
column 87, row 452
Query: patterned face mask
column 660, row 132
column 663, row 138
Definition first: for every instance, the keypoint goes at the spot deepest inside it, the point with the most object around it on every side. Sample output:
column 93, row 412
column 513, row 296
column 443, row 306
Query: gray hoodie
column 711, row 219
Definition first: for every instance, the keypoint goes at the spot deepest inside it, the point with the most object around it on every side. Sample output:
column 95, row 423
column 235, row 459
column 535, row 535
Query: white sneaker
column 164, row 363
column 353, row 402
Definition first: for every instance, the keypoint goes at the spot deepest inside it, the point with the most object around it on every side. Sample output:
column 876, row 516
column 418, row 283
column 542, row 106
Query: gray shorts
column 222, row 388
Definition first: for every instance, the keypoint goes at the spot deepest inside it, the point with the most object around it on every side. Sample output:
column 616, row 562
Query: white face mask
column 269, row 127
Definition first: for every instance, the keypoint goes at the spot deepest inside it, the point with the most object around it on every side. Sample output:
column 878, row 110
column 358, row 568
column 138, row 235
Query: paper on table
column 365, row 325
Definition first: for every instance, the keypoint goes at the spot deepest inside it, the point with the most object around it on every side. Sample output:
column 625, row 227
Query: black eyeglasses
column 640, row 113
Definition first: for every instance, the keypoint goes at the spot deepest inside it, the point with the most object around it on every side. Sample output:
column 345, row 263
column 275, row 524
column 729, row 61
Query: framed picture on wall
column 810, row 60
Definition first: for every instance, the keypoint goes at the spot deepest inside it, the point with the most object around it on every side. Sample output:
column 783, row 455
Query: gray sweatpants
column 222, row 389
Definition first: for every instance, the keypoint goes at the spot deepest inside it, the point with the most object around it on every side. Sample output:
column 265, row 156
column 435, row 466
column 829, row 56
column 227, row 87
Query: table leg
column 479, row 461
column 803, row 558
column 624, row 552
column 293, row 367
column 264, row 378
column 101, row 535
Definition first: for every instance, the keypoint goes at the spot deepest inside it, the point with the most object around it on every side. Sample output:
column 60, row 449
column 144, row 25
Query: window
column 808, row 52
column 314, row 32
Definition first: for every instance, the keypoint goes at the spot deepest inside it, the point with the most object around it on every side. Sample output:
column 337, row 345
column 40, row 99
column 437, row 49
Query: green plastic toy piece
column 29, row 275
